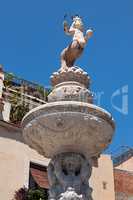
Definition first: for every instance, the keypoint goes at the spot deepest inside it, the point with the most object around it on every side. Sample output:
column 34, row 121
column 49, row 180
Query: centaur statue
column 75, row 49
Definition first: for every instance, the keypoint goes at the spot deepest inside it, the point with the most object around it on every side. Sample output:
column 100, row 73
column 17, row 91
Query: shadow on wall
column 9, row 131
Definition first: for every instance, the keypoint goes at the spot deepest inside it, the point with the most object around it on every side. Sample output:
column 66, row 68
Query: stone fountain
column 69, row 129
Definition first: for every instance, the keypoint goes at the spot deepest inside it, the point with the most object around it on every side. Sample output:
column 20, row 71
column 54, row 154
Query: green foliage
column 37, row 194
column 17, row 112
column 31, row 194
column 40, row 89
column 15, row 98
column 18, row 108
column 47, row 92
column 8, row 79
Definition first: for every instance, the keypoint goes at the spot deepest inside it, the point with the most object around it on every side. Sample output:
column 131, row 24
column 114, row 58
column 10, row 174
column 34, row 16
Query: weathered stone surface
column 70, row 194
column 70, row 91
column 68, row 175
column 74, row 73
column 68, row 126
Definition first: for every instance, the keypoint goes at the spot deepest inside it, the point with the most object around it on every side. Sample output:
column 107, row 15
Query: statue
column 68, row 175
column 75, row 49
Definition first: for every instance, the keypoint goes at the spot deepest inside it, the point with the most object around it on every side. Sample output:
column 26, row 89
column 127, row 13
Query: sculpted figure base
column 68, row 175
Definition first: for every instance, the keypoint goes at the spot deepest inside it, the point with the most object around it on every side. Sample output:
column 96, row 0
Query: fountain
column 70, row 129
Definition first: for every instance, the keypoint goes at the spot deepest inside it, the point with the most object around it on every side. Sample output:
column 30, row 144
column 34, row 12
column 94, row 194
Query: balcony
column 20, row 96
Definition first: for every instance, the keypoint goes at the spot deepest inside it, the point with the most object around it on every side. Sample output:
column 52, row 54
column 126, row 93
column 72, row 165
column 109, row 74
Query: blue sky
column 31, row 39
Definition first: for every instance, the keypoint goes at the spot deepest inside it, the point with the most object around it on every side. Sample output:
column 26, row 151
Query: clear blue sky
column 31, row 39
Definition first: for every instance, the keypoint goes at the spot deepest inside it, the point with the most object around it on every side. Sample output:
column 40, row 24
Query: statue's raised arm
column 75, row 49
column 68, row 30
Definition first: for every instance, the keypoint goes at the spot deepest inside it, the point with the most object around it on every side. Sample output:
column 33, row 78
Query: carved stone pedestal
column 71, row 131
column 68, row 175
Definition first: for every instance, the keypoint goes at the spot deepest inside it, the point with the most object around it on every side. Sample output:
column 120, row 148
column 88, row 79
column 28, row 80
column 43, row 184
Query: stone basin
column 68, row 126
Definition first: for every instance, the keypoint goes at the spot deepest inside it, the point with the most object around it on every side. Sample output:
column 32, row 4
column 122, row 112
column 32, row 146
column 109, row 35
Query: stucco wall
column 15, row 157
column 103, row 177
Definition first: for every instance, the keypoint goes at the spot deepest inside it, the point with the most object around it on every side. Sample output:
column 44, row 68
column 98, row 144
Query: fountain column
column 68, row 175
column 69, row 129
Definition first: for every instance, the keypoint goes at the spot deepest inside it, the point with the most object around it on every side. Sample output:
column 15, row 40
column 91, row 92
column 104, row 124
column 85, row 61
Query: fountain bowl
column 68, row 126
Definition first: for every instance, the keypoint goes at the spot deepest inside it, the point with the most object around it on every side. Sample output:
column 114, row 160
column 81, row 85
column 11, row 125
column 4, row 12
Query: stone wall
column 15, row 158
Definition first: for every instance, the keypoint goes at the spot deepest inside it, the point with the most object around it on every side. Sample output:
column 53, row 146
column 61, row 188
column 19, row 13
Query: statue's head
column 71, row 164
column 77, row 22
